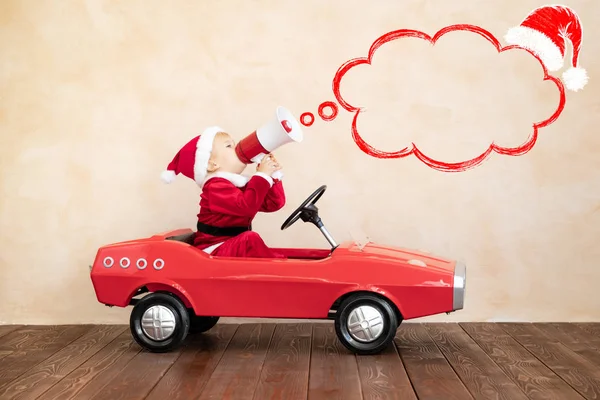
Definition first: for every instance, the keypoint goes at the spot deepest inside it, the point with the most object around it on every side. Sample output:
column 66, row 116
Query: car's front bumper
column 460, row 281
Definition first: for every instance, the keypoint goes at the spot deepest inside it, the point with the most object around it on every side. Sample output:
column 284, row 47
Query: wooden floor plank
column 382, row 376
column 191, row 372
column 534, row 378
column 483, row 378
column 6, row 329
column 284, row 375
column 236, row 375
column 574, row 369
column 4, row 353
column 592, row 328
column 570, row 333
column 47, row 373
column 33, row 348
column 90, row 377
column 333, row 368
column 138, row 377
column 25, row 338
column 575, row 338
column 289, row 361
column 431, row 375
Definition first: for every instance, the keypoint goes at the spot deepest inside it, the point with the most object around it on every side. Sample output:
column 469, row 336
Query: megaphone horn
column 281, row 129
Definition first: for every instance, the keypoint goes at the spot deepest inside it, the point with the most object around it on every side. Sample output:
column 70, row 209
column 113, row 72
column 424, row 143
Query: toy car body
column 368, row 290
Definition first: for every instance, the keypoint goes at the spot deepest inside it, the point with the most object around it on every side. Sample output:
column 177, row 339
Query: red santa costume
column 228, row 202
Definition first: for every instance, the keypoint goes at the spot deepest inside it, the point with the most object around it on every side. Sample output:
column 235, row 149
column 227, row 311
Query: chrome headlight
column 460, row 280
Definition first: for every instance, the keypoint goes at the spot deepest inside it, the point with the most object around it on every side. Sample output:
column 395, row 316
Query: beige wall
column 96, row 96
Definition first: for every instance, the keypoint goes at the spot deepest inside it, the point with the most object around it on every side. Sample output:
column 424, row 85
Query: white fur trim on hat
column 203, row 150
column 537, row 42
column 575, row 78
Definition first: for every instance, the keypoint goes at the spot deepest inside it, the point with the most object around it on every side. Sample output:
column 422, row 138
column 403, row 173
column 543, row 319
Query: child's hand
column 275, row 160
column 268, row 165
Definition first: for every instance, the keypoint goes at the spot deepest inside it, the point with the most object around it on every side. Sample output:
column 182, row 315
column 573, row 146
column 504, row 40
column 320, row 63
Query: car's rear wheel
column 201, row 323
column 366, row 323
column 159, row 322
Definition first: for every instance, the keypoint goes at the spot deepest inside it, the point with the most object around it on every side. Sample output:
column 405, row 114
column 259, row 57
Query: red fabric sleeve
column 225, row 198
column 275, row 199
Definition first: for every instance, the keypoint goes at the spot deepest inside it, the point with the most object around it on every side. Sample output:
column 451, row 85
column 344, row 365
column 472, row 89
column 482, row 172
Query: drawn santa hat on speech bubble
column 545, row 32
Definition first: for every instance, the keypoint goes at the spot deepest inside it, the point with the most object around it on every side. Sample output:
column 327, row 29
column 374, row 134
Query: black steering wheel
column 307, row 210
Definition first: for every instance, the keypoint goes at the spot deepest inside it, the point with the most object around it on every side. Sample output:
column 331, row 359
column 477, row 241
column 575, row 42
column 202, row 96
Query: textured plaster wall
column 96, row 96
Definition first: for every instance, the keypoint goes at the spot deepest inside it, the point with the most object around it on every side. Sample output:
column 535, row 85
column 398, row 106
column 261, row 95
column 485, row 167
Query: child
column 229, row 201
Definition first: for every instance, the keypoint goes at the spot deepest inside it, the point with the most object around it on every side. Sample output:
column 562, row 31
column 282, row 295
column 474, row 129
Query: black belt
column 217, row 231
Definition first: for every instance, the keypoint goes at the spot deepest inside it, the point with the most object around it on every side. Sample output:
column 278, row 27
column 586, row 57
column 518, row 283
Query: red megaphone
column 282, row 129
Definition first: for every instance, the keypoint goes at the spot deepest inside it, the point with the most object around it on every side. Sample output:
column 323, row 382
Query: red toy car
column 368, row 290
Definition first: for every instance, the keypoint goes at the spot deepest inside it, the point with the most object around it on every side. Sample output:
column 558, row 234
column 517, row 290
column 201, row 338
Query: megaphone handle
column 257, row 159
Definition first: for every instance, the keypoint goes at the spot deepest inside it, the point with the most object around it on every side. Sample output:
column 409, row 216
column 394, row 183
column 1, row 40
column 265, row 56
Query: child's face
column 223, row 157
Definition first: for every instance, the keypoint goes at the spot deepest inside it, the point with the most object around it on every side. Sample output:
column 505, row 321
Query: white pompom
column 575, row 78
column 168, row 176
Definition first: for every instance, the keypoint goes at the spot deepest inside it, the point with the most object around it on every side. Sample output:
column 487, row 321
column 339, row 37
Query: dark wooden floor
column 300, row 361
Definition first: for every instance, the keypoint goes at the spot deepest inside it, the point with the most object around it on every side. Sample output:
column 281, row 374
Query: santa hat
column 545, row 32
column 192, row 159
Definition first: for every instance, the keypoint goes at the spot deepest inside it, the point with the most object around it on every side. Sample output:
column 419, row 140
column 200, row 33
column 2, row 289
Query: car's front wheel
column 159, row 322
column 366, row 324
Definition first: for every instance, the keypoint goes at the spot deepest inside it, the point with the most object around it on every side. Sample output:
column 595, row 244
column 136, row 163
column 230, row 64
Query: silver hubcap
column 158, row 322
column 365, row 323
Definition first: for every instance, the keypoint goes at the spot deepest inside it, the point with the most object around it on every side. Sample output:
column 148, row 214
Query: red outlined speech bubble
column 328, row 110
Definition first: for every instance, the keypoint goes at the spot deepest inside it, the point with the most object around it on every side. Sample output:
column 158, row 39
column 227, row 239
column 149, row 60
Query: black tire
column 174, row 308
column 200, row 323
column 366, row 346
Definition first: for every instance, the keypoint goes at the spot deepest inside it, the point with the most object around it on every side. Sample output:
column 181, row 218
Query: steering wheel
column 306, row 210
